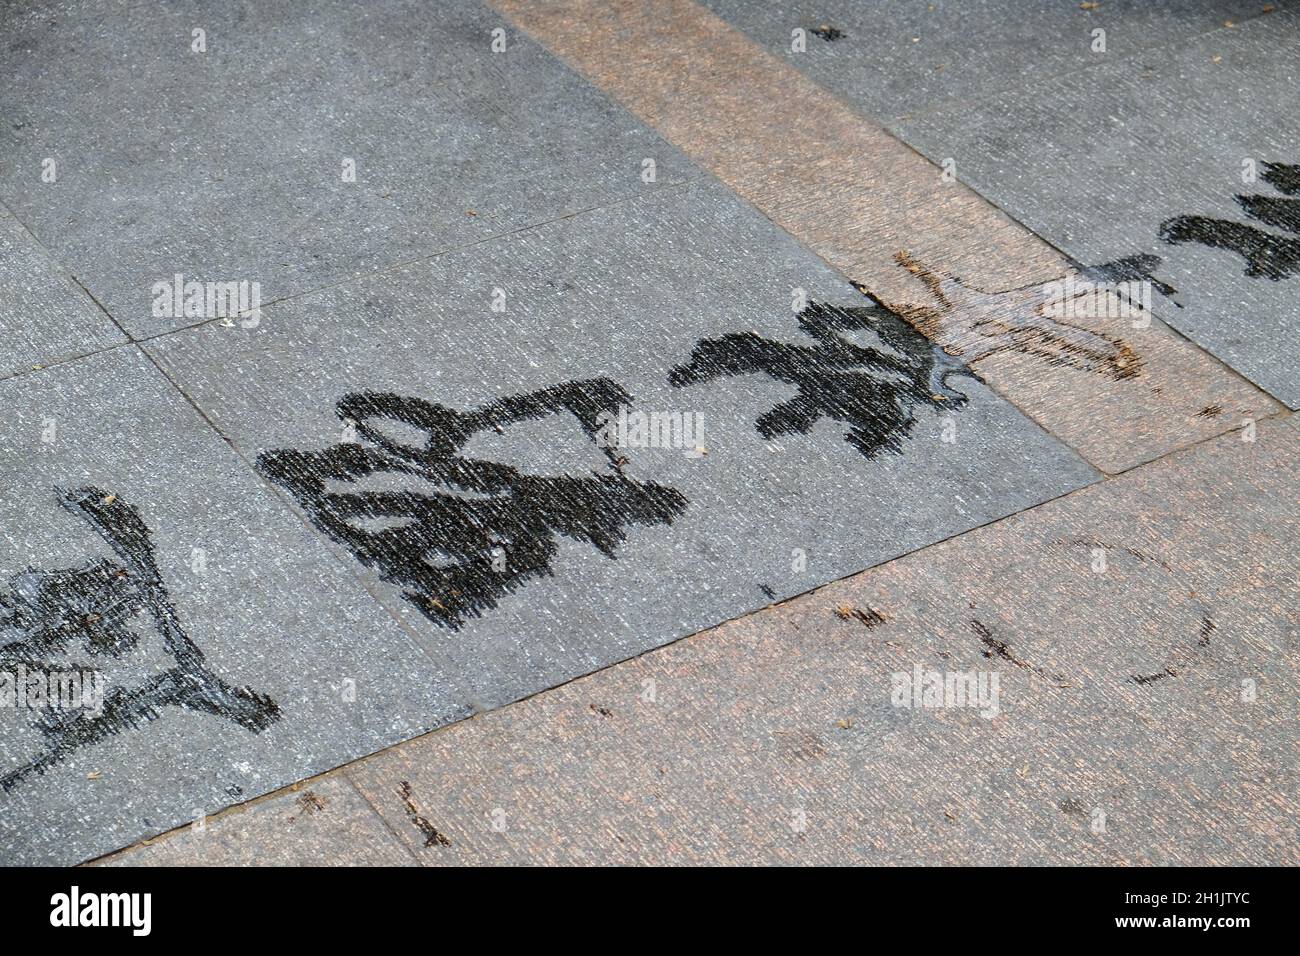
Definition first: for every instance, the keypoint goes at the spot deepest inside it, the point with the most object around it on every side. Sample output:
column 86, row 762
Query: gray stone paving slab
column 237, row 656
column 896, row 57
column 626, row 295
column 44, row 315
column 229, row 164
column 1148, row 156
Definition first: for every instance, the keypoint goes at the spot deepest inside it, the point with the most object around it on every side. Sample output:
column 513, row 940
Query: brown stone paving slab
column 866, row 202
column 1056, row 348
column 322, row 823
column 1126, row 729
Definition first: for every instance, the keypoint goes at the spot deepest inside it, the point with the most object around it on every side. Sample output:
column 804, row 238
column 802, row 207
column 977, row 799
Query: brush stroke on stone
column 475, row 530
column 1151, row 157
column 97, row 606
column 237, row 656
column 620, row 296
column 871, row 390
column 1266, row 254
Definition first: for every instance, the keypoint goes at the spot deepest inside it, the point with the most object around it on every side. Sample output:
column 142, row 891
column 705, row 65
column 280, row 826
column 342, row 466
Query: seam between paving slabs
column 131, row 339
column 1280, row 415
column 671, row 184
column 276, row 494
column 374, row 812
column 1174, row 42
column 56, row 261
column 345, row 769
column 65, row 360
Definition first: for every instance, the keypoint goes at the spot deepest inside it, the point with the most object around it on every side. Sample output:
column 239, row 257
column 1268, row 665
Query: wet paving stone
column 1188, row 155
column 456, row 453
column 218, row 653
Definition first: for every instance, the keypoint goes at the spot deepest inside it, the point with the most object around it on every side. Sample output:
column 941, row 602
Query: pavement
column 649, row 433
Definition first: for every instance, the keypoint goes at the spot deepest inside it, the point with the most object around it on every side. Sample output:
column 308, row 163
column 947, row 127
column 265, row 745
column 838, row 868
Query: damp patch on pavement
column 1187, row 154
column 559, row 449
column 212, row 650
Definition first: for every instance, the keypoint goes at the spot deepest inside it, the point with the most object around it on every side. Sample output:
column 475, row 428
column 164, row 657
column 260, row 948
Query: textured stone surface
column 885, row 217
column 420, row 393
column 899, row 57
column 633, row 292
column 852, row 193
column 1121, row 386
column 44, row 315
column 1098, row 162
column 322, row 823
column 238, row 577
column 715, row 749
column 625, row 294
column 227, row 165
